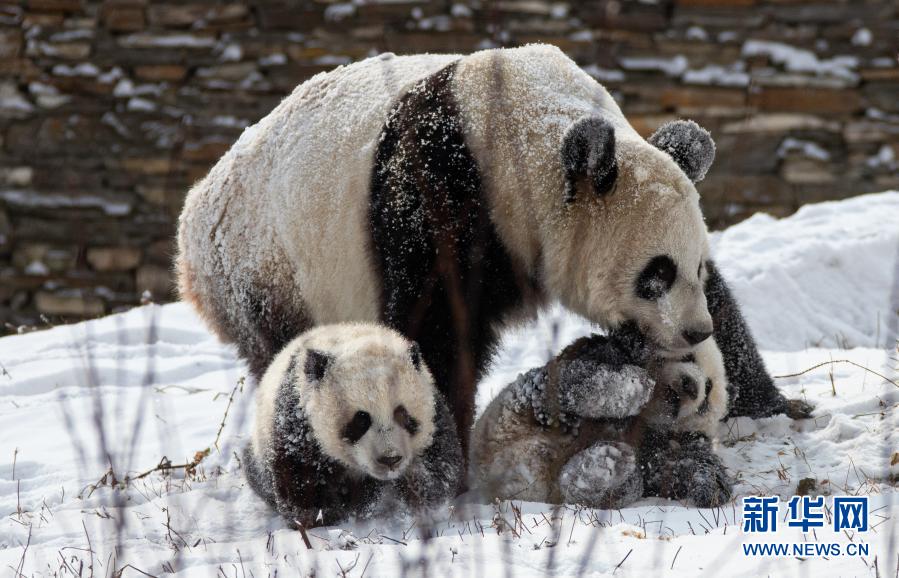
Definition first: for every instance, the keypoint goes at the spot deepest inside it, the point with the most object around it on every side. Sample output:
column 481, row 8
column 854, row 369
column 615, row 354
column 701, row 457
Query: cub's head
column 635, row 243
column 370, row 400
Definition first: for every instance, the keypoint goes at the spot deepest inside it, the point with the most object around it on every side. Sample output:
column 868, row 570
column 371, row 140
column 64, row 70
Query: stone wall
column 110, row 110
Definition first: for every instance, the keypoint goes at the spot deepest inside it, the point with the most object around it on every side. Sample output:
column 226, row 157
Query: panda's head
column 370, row 402
column 635, row 242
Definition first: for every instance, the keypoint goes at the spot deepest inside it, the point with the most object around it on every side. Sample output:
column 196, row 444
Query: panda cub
column 609, row 420
column 347, row 418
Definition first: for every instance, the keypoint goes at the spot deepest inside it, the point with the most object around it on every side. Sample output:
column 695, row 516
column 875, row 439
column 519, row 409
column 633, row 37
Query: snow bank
column 827, row 276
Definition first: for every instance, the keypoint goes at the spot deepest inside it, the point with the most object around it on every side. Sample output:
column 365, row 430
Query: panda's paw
column 605, row 475
column 710, row 485
column 798, row 409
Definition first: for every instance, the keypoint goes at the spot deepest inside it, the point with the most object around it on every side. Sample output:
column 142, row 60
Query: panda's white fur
column 371, row 370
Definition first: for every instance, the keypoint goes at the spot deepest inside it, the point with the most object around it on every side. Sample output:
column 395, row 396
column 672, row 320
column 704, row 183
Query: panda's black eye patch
column 407, row 422
column 657, row 278
column 356, row 428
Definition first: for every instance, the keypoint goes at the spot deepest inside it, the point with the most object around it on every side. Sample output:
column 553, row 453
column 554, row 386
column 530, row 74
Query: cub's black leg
column 682, row 466
column 437, row 475
column 752, row 391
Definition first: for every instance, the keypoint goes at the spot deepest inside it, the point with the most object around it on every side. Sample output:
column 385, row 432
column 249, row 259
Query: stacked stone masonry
column 110, row 110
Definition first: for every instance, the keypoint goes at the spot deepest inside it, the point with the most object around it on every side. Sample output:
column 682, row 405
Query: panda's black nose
column 694, row 337
column 389, row 461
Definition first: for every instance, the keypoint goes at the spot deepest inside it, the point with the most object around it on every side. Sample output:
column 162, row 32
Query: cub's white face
column 637, row 253
column 373, row 407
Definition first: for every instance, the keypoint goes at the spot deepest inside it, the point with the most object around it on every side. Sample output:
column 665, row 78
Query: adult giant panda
column 447, row 195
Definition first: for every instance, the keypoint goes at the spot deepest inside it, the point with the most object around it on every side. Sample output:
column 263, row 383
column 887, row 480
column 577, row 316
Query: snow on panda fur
column 607, row 421
column 347, row 417
column 446, row 196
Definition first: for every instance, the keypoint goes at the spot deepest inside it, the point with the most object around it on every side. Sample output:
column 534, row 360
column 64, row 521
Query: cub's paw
column 710, row 486
column 798, row 409
column 684, row 467
column 605, row 475
column 598, row 390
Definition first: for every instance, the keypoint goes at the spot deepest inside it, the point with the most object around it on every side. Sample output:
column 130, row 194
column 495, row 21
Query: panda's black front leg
column 752, row 391
column 437, row 474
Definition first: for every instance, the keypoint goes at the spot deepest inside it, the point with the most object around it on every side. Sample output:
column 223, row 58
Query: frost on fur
column 604, row 475
column 690, row 145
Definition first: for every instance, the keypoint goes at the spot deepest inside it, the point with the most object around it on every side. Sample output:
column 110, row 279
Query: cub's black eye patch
column 356, row 428
column 656, row 278
column 407, row 422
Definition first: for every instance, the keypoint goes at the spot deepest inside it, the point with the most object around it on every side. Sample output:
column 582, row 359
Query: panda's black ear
column 415, row 356
column 690, row 145
column 316, row 365
column 588, row 151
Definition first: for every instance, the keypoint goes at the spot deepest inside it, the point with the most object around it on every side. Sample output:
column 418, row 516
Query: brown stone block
column 805, row 171
column 124, row 18
column 54, row 5
column 160, row 72
column 869, row 131
column 5, row 232
column 207, row 151
column 65, row 50
column 780, row 123
column 747, row 153
column 682, row 98
column 114, row 258
column 287, row 18
column 68, row 304
column 22, row 68
column 53, row 258
column 875, row 74
column 147, row 166
column 173, row 15
column 882, row 95
column 10, row 43
column 42, row 19
column 757, row 189
column 159, row 281
column 162, row 252
column 646, row 124
column 715, row 3
column 806, row 100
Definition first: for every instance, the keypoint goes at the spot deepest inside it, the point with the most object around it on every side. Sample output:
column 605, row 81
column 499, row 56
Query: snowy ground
column 822, row 285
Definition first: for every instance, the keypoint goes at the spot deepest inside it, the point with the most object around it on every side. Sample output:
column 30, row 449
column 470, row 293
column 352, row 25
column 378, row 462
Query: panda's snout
column 696, row 336
column 389, row 461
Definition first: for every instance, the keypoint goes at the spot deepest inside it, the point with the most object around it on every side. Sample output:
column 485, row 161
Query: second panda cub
column 347, row 416
column 607, row 421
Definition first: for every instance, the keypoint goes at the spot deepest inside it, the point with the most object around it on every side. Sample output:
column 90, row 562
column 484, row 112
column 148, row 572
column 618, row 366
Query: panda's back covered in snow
column 243, row 246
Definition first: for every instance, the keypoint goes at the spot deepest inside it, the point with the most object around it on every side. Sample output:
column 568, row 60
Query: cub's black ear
column 415, row 356
column 316, row 365
column 588, row 151
column 690, row 145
